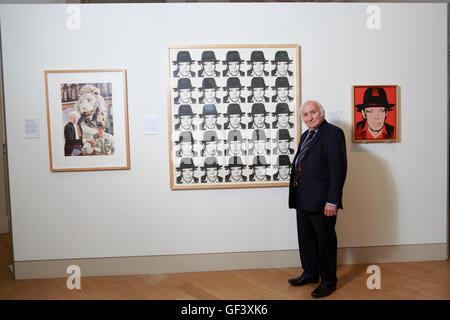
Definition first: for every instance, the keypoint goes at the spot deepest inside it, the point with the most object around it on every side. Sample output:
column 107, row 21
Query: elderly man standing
column 315, row 191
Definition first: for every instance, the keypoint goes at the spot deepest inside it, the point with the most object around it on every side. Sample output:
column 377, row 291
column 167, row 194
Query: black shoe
column 301, row 281
column 323, row 291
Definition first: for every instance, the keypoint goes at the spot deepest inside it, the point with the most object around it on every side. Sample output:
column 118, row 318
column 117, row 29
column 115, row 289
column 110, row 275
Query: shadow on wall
column 370, row 215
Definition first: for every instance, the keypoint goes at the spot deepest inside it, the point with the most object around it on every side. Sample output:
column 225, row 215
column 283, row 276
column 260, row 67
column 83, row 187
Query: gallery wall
column 395, row 194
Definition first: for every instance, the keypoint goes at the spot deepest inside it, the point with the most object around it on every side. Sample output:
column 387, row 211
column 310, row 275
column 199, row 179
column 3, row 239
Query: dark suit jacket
column 323, row 172
column 71, row 142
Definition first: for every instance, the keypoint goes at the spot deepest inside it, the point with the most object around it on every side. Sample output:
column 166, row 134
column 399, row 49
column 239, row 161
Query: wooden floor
column 412, row 280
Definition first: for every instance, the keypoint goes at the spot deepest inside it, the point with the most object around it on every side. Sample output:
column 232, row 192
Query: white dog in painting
column 92, row 111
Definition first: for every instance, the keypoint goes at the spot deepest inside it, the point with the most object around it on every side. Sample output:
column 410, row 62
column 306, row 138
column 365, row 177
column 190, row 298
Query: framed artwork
column 87, row 120
column 233, row 115
column 375, row 113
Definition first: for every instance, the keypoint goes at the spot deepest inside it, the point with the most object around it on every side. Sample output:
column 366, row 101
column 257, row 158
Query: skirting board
column 221, row 261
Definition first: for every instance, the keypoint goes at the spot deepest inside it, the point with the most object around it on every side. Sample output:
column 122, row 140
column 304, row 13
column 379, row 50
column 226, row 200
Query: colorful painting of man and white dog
column 87, row 119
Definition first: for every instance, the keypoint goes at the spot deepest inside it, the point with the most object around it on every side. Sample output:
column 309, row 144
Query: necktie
column 304, row 147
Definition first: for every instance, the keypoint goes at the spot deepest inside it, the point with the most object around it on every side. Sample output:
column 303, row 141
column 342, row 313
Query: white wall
column 395, row 194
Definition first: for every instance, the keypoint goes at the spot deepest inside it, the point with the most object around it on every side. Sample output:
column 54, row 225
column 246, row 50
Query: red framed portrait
column 375, row 113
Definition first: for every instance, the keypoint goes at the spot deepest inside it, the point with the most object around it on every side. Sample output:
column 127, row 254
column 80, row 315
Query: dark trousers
column 317, row 243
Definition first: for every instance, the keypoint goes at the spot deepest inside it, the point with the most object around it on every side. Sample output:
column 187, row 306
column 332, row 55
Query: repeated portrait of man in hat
column 221, row 98
column 259, row 143
column 235, row 167
column 185, row 117
column 184, row 89
column 283, row 168
column 210, row 144
column 283, row 141
column 233, row 91
column 257, row 64
column 235, row 144
column 211, row 169
column 186, row 145
column 209, row 116
column 208, row 91
column 257, row 90
column 234, row 115
column 208, row 64
column 187, row 169
column 233, row 63
column 281, row 63
column 374, row 111
column 258, row 115
column 183, row 65
column 281, row 89
column 259, row 166
column 282, row 114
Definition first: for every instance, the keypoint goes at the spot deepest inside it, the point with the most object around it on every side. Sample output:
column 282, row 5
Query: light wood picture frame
column 234, row 119
column 87, row 119
column 375, row 113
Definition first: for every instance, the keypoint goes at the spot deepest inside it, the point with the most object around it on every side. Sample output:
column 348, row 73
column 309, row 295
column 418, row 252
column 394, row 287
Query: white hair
column 74, row 113
column 317, row 103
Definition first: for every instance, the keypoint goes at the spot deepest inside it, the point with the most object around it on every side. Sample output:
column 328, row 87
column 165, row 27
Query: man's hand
column 330, row 210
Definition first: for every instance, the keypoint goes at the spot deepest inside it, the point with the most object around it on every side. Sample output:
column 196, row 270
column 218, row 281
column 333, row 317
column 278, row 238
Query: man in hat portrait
column 211, row 168
column 259, row 143
column 210, row 144
column 259, row 167
column 281, row 64
column 258, row 115
column 209, row 116
column 186, row 145
column 283, row 141
column 374, row 110
column 257, row 63
column 183, row 65
column 208, row 91
column 235, row 144
column 185, row 116
column 235, row 167
column 234, row 115
column 233, row 91
column 282, row 114
column 232, row 64
column 282, row 88
column 283, row 168
column 257, row 90
column 184, row 89
column 186, row 169
column 208, row 64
